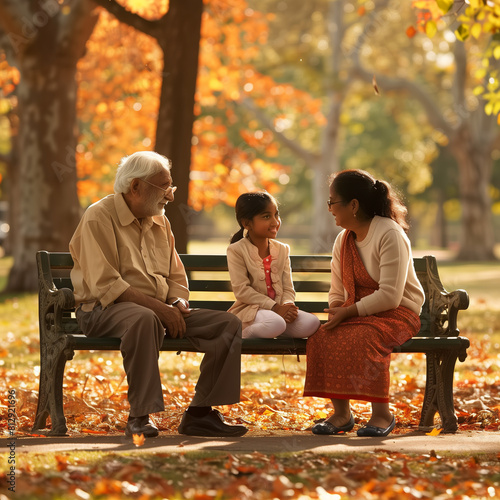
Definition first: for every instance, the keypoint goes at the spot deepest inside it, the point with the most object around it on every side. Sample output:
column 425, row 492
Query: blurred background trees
column 286, row 93
column 44, row 45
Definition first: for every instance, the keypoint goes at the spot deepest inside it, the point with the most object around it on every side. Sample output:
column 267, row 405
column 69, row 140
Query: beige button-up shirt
column 112, row 250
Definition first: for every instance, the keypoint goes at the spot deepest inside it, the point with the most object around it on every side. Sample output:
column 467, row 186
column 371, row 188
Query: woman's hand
column 338, row 314
column 288, row 312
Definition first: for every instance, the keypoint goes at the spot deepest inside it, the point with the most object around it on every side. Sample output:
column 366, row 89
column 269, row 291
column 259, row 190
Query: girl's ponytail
column 237, row 236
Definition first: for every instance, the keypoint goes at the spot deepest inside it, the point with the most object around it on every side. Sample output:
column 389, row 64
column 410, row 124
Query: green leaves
column 462, row 32
column 445, row 5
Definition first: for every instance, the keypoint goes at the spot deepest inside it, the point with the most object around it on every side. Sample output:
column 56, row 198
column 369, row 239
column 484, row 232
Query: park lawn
column 5, row 265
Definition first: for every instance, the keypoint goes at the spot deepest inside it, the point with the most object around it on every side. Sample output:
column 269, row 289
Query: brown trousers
column 216, row 333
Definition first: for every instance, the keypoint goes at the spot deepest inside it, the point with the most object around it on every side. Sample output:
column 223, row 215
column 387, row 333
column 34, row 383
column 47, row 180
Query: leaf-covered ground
column 95, row 388
column 376, row 475
column 95, row 403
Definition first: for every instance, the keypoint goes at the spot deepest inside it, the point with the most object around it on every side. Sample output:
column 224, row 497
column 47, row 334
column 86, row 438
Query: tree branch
column 76, row 27
column 13, row 16
column 18, row 33
column 301, row 152
column 149, row 27
column 436, row 118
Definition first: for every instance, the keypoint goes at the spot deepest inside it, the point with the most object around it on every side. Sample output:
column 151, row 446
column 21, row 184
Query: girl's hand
column 288, row 312
column 338, row 314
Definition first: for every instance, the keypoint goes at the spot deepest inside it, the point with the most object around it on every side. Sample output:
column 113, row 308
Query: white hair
column 139, row 165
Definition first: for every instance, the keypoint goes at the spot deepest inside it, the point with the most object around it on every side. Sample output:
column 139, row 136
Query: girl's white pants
column 268, row 324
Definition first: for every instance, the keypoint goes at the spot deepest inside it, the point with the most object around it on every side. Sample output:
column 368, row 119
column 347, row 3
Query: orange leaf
column 62, row 462
column 434, row 432
column 138, row 439
column 411, row 32
column 374, row 83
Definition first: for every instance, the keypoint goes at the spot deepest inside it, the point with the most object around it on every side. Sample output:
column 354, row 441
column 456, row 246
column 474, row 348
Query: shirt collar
column 126, row 217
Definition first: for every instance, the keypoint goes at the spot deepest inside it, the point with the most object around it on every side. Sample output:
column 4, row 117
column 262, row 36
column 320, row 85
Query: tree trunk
column 47, row 42
column 12, row 184
column 180, row 44
column 440, row 233
column 49, row 211
column 474, row 164
column 324, row 228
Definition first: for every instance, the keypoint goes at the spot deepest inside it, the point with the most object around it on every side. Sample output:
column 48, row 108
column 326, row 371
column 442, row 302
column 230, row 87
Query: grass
column 5, row 265
column 481, row 280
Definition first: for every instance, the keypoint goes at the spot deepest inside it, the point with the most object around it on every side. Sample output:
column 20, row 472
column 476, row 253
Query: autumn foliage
column 119, row 85
column 476, row 21
column 119, row 82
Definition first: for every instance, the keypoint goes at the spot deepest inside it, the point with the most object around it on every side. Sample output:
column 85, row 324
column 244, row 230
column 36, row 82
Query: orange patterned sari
column 352, row 360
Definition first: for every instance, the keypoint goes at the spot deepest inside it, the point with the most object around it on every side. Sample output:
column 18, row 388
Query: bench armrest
column 443, row 306
column 53, row 303
column 63, row 297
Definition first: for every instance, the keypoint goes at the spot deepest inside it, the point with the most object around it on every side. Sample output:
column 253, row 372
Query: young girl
column 260, row 273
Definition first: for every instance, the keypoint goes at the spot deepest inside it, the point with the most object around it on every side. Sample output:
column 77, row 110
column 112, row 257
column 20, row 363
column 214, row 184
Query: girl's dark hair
column 248, row 205
column 375, row 197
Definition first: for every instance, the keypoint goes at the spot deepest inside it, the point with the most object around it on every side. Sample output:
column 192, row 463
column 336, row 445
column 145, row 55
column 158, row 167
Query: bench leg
column 53, row 359
column 439, row 391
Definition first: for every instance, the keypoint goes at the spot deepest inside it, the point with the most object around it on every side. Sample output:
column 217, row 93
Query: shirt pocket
column 160, row 257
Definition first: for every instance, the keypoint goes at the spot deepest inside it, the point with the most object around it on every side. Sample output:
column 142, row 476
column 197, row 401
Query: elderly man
column 130, row 283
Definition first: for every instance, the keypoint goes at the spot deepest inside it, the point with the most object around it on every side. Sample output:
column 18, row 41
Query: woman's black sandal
column 374, row 431
column 327, row 428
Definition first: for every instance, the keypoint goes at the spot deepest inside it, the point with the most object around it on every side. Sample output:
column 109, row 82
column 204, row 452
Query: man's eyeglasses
column 330, row 203
column 170, row 189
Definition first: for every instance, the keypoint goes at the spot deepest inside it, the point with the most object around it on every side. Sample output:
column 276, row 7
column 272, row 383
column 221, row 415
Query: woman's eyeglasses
column 330, row 203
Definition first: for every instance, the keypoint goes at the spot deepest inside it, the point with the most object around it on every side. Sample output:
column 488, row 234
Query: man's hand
column 288, row 312
column 338, row 314
column 173, row 320
column 183, row 306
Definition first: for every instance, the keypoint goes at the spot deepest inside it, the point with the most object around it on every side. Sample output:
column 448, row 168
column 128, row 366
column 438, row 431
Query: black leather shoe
column 326, row 427
column 211, row 425
column 141, row 425
column 374, row 431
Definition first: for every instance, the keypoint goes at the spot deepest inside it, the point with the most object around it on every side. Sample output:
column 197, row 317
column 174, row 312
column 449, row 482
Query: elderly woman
column 374, row 304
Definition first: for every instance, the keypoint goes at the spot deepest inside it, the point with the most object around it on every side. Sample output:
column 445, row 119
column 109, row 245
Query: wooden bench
column 60, row 335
